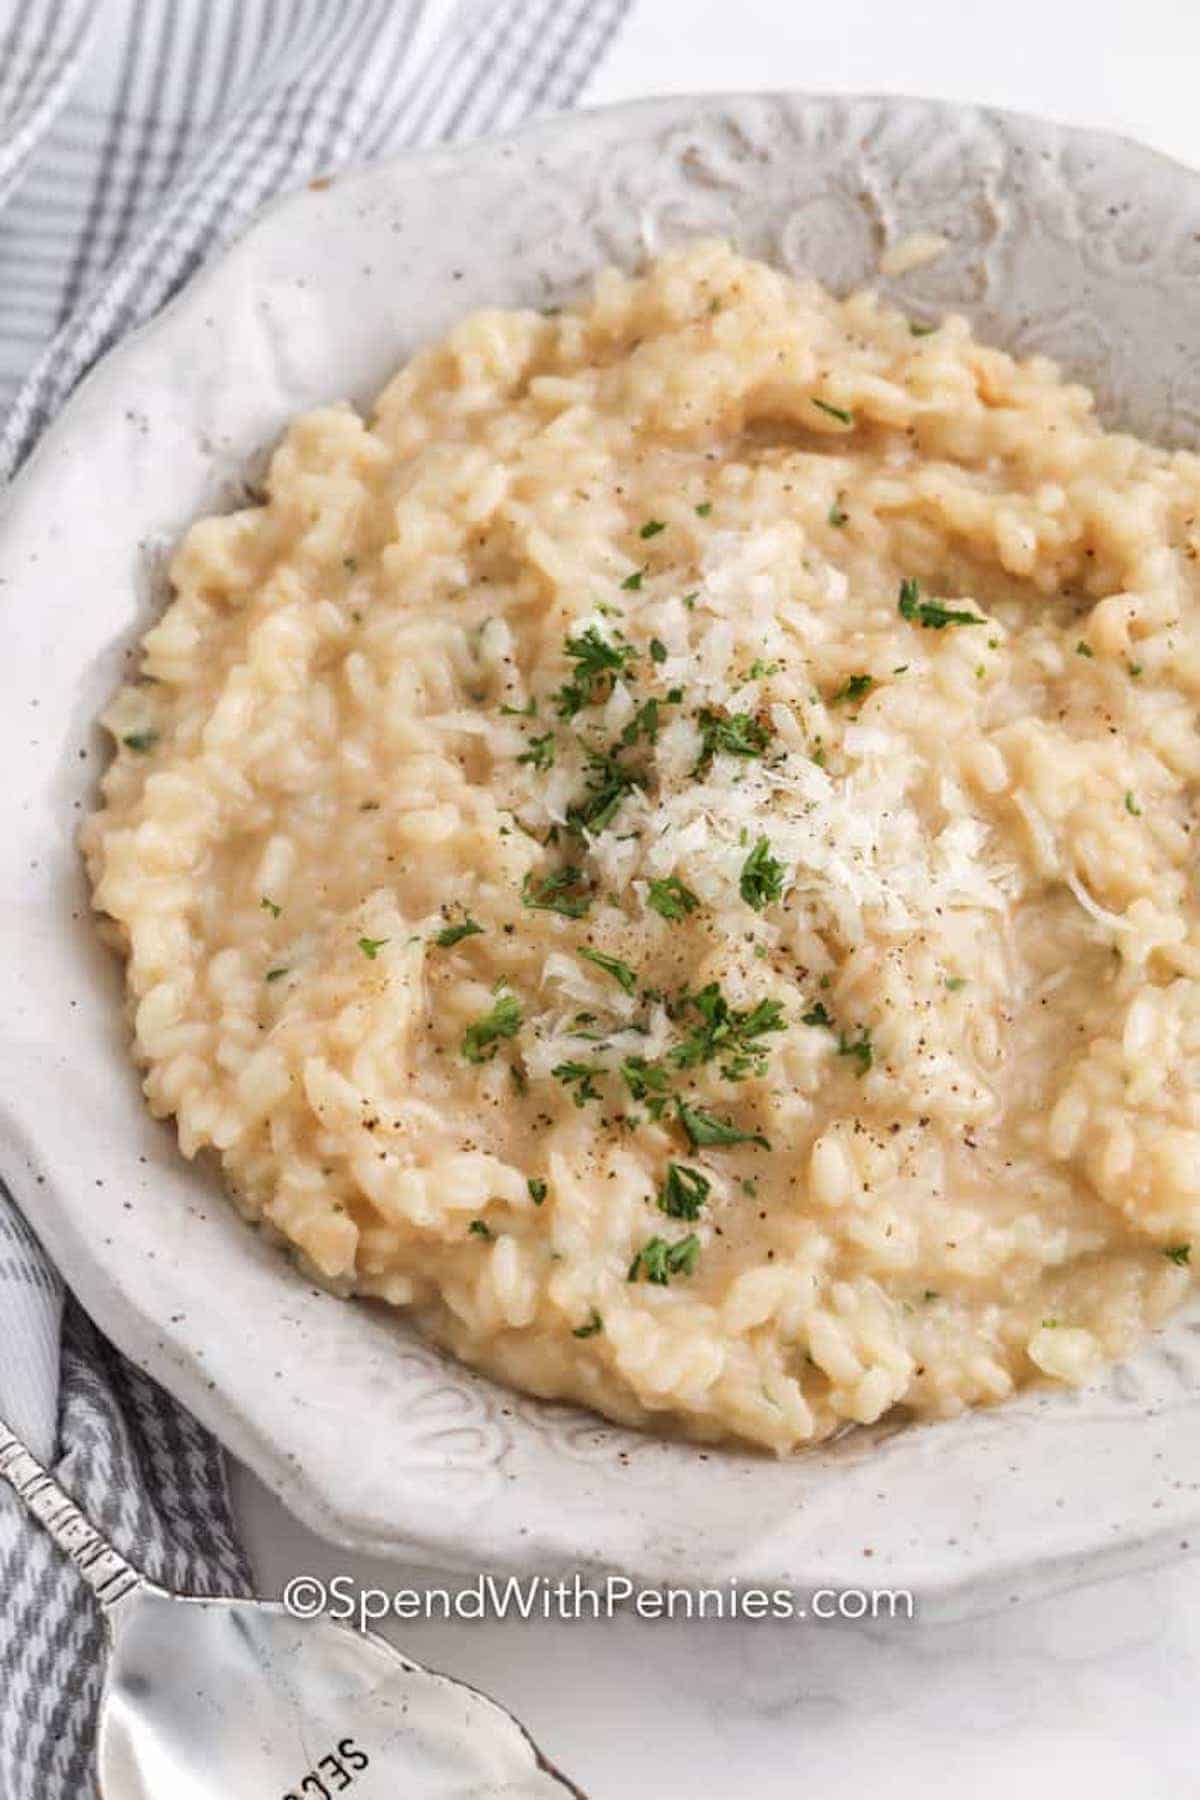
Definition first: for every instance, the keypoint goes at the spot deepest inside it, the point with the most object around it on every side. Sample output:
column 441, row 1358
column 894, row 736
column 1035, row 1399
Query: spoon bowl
column 209, row 1699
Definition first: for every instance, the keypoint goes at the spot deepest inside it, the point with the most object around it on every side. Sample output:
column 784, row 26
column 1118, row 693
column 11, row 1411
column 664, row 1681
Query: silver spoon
column 237, row 1699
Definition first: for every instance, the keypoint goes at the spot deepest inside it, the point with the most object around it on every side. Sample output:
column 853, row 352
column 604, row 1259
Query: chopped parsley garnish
column 480, row 1228
column 141, row 741
column 609, row 780
column 683, row 1192
column 1179, row 1254
column 704, row 508
column 503, row 1021
column 670, row 898
column 612, row 965
column 597, row 665
column 528, row 711
column 1131, row 805
column 728, row 734
column 633, row 582
column 1135, row 669
column 836, row 515
column 562, row 891
column 270, row 906
column 930, row 613
column 835, row 412
column 658, row 650
column 860, row 1048
column 537, row 1189
column 581, row 1077
column 277, row 974
column 1082, row 649
column 918, row 330
column 818, row 1016
column 856, row 688
column 761, row 880
column 658, row 1260
column 652, row 527
column 647, row 1082
column 540, row 754
column 371, row 947
column 644, row 723
column 734, row 1036
column 594, row 1325
column 703, row 1129
column 956, row 983
column 454, row 934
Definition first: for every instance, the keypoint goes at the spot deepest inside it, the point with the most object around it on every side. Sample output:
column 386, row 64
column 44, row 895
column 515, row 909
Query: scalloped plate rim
column 124, row 1314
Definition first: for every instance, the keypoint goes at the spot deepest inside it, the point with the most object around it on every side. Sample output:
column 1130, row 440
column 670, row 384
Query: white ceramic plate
column 1080, row 245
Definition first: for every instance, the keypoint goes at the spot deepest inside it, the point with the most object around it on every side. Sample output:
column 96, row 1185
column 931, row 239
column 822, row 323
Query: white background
column 1099, row 1687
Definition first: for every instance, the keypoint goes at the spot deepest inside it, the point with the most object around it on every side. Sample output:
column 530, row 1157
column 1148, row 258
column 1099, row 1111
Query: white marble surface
column 1097, row 1686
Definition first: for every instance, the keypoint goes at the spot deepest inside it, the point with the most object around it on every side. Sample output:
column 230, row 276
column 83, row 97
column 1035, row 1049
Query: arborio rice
column 668, row 853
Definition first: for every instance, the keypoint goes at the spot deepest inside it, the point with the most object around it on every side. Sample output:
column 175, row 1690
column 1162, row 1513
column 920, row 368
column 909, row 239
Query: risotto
column 667, row 853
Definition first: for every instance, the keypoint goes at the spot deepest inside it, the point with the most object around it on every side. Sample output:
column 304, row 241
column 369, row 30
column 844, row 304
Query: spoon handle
column 106, row 1572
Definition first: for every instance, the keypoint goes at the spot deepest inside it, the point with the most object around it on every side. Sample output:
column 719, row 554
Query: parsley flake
column 563, row 891
column 1131, row 805
column 835, row 412
column 633, row 582
column 479, row 1040
column 728, row 734
column 652, row 527
column 930, row 613
column 856, row 688
column 670, row 898
column 580, row 1076
column 595, row 1324
column 454, row 934
column 540, row 754
column 277, row 974
column 621, row 972
column 683, row 1192
column 658, row 650
column 860, row 1048
column 480, row 1228
column 270, row 906
column 1179, row 1254
column 538, row 1189
column 141, row 741
column 837, row 516
column 704, row 508
column 818, row 1017
column 647, row 1083
column 598, row 664
column 761, row 880
column 1082, row 649
column 371, row 947
column 658, row 1260
column 703, row 1129
column 723, row 1032
column 609, row 781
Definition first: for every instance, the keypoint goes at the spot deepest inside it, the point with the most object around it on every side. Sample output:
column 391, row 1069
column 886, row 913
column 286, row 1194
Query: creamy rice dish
column 668, row 853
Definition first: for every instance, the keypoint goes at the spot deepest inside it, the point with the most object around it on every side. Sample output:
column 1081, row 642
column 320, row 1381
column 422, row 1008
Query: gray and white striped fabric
column 136, row 137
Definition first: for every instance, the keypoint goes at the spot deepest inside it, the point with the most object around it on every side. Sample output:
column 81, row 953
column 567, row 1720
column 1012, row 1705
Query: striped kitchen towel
column 136, row 138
